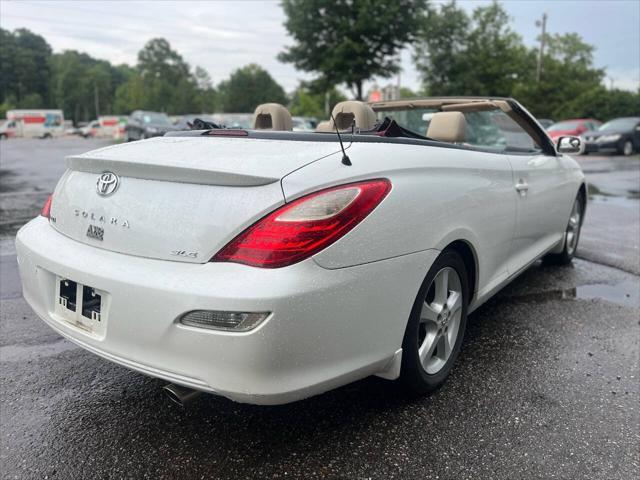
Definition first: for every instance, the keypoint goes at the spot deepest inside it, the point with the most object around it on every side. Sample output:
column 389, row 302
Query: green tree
column 307, row 103
column 350, row 41
column 458, row 54
column 24, row 65
column 603, row 104
column 161, row 81
column 567, row 72
column 247, row 88
column 79, row 80
column 206, row 93
column 9, row 103
column 407, row 93
column 130, row 95
column 158, row 60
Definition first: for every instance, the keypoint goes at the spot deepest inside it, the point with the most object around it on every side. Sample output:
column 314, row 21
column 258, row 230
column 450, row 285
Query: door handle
column 522, row 187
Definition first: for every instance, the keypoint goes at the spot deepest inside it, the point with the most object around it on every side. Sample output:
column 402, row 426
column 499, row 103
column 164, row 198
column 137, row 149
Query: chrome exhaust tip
column 179, row 394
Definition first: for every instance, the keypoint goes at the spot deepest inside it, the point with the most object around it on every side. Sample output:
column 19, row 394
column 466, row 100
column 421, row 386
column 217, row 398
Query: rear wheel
column 436, row 327
column 571, row 236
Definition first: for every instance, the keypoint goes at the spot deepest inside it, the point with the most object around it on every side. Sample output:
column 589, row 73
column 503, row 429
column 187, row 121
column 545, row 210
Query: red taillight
column 46, row 209
column 305, row 226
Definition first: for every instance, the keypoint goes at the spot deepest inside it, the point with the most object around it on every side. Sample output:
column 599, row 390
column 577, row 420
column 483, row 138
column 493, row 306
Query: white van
column 107, row 126
column 33, row 124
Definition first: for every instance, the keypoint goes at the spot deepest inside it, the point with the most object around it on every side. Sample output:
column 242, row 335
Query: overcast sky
column 224, row 35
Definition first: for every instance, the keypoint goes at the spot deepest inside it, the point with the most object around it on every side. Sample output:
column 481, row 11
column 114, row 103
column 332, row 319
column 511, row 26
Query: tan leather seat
column 325, row 126
column 447, row 127
column 349, row 111
column 272, row 116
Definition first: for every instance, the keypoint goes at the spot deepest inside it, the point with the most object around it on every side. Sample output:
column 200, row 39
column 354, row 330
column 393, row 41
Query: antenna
column 345, row 158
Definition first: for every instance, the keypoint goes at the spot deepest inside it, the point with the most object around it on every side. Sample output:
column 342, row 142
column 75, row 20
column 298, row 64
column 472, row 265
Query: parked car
column 183, row 123
column 545, row 122
column 144, row 124
column 574, row 127
column 233, row 120
column 304, row 124
column 268, row 266
column 621, row 135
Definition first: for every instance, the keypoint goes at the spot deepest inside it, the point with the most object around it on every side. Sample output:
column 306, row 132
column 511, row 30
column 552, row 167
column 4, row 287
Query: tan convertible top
column 440, row 102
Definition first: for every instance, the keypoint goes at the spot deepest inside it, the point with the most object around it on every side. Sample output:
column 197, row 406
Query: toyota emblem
column 107, row 183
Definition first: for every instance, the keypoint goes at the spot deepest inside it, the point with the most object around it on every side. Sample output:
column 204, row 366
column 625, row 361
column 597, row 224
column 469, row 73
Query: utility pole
column 541, row 23
column 610, row 82
column 399, row 85
column 96, row 99
column 326, row 103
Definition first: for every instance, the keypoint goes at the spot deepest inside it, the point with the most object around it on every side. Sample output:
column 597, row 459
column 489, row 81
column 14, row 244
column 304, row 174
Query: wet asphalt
column 547, row 385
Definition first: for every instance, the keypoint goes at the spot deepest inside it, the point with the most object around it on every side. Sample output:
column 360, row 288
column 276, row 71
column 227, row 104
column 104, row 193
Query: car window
column 493, row 130
column 414, row 119
column 496, row 130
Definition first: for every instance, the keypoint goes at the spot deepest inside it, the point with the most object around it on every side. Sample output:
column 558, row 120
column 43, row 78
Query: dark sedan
column 621, row 135
column 144, row 124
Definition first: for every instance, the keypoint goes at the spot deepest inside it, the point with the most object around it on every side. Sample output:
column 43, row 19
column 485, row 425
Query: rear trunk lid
column 176, row 198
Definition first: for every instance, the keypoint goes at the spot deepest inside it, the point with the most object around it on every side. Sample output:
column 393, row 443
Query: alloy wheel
column 573, row 229
column 440, row 320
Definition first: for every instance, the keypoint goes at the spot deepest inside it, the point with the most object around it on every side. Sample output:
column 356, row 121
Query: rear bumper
column 327, row 328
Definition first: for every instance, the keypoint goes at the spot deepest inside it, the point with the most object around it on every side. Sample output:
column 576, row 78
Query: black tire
column 568, row 253
column 413, row 375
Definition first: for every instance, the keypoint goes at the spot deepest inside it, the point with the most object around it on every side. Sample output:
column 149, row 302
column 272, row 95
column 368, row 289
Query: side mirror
column 569, row 145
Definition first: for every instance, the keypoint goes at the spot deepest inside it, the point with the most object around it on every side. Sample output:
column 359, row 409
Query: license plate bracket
column 81, row 305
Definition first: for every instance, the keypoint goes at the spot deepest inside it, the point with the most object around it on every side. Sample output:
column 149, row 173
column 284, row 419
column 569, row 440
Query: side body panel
column 543, row 205
column 439, row 195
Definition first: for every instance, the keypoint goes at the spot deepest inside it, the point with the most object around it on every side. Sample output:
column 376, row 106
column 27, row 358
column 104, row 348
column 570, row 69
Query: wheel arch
column 465, row 249
column 582, row 190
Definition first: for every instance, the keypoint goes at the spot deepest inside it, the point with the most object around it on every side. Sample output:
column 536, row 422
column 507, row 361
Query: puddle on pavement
column 625, row 293
column 598, row 195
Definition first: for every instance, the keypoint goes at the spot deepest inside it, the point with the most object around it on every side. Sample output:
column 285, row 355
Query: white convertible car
column 267, row 265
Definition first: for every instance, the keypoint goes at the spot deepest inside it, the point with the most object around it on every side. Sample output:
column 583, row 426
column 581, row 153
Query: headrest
column 447, row 127
column 272, row 116
column 325, row 126
column 346, row 112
